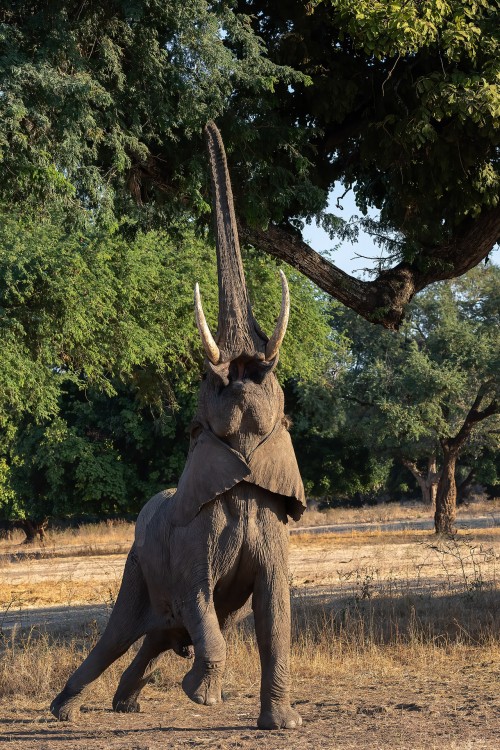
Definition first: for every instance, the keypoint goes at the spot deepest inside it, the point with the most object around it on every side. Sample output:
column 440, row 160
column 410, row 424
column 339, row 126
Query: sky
column 346, row 256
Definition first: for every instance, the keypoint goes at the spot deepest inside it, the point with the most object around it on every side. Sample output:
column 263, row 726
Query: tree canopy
column 103, row 104
column 432, row 391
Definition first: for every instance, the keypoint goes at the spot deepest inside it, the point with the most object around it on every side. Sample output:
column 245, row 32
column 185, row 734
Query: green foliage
column 101, row 359
column 409, row 391
column 93, row 93
column 103, row 104
column 403, row 108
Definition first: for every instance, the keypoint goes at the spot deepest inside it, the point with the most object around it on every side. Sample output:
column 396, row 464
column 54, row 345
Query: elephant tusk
column 274, row 343
column 211, row 349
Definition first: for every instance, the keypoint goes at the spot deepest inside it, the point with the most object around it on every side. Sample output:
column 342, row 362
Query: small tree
column 433, row 388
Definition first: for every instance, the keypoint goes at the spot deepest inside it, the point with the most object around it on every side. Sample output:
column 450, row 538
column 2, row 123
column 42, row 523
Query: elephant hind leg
column 140, row 671
column 127, row 623
column 138, row 674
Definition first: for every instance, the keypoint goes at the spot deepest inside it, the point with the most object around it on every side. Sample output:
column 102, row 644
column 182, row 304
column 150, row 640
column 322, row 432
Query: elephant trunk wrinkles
column 238, row 332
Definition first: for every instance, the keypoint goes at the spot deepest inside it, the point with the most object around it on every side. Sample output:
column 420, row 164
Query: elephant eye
column 236, row 371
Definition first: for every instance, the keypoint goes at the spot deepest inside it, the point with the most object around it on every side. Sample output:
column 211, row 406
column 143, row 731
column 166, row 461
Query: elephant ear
column 212, row 468
column 274, row 468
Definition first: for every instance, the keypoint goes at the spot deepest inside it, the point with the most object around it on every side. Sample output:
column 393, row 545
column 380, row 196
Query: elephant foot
column 279, row 717
column 202, row 684
column 64, row 707
column 126, row 706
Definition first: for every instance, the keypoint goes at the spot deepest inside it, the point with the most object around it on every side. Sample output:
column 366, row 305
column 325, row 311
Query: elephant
column 201, row 551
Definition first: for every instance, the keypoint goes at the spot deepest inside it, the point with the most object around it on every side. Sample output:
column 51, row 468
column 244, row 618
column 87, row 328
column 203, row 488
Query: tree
column 103, row 104
column 101, row 358
column 434, row 388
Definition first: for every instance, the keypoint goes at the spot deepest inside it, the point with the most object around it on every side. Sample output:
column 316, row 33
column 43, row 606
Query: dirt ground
column 400, row 712
column 384, row 700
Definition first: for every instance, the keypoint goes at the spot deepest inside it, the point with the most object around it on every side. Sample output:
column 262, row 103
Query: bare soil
column 364, row 710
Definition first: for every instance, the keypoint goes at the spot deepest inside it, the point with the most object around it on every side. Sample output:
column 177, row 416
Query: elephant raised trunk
column 238, row 332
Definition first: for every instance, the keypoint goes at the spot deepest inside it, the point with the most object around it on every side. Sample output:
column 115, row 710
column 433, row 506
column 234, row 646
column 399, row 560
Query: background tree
column 432, row 389
column 103, row 105
column 101, row 357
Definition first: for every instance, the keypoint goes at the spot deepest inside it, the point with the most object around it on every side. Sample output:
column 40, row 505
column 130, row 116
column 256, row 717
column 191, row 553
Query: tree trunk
column 384, row 299
column 32, row 529
column 432, row 481
column 426, row 481
column 446, row 496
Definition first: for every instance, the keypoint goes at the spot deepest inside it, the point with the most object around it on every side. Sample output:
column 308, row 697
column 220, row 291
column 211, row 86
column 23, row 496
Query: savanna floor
column 396, row 644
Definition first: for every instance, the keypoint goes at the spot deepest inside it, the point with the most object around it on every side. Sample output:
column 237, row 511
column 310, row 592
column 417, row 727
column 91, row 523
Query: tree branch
column 474, row 416
column 384, row 299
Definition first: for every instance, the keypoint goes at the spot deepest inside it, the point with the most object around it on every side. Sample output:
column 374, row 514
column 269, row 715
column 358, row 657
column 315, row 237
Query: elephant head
column 239, row 431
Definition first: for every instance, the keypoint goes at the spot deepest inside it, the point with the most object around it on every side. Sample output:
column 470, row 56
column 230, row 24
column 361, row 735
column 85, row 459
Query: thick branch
column 474, row 416
column 384, row 299
column 413, row 468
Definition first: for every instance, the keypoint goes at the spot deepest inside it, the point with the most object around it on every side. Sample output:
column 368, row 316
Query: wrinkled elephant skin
column 201, row 551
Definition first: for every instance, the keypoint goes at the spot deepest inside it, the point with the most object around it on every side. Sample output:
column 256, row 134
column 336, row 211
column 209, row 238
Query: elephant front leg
column 203, row 683
column 271, row 606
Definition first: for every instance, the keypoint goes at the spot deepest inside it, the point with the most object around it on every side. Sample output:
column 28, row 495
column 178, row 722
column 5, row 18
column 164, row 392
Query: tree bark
column 446, row 496
column 384, row 299
column 32, row 529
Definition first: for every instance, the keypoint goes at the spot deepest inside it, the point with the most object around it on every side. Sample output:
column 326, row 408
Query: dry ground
column 396, row 644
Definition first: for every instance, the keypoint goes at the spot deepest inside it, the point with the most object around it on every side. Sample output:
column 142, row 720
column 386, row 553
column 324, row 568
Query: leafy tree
column 103, row 104
column 433, row 390
column 99, row 373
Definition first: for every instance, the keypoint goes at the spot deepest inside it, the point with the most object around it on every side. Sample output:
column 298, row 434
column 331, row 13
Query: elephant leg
column 271, row 606
column 203, row 682
column 126, row 624
column 138, row 674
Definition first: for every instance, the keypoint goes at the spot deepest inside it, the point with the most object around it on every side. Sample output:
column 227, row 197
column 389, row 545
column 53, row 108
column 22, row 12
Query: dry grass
column 331, row 641
column 396, row 644
column 386, row 512
column 116, row 536
column 86, row 539
column 379, row 613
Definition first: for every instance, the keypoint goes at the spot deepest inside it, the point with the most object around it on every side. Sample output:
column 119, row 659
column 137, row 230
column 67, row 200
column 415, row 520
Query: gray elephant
column 200, row 552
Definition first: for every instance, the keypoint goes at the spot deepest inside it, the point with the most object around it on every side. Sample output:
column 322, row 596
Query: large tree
column 431, row 392
column 105, row 103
